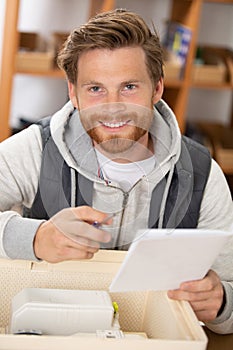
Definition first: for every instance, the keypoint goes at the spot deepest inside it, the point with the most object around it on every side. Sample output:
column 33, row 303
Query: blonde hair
column 111, row 30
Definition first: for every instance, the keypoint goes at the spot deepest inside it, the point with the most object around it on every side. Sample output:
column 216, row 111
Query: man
column 115, row 148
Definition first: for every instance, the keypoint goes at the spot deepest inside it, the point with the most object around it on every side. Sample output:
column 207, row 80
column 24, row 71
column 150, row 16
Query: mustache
column 109, row 117
column 132, row 118
column 131, row 114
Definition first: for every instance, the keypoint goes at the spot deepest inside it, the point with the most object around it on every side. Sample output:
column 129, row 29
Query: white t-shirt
column 125, row 174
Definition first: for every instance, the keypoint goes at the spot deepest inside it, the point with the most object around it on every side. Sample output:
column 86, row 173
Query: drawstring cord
column 73, row 185
column 73, row 188
column 165, row 195
column 101, row 176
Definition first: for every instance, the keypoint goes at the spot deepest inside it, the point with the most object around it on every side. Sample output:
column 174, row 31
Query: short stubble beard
column 134, row 132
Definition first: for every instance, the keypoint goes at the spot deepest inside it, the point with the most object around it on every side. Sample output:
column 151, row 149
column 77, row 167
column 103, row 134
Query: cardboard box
column 224, row 150
column 28, row 41
column 225, row 55
column 221, row 139
column 34, row 61
column 209, row 73
column 213, row 69
column 169, row 325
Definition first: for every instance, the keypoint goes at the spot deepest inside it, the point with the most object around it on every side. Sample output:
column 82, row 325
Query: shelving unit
column 176, row 92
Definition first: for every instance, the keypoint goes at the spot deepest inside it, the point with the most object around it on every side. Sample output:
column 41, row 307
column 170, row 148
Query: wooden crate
column 28, row 41
column 169, row 324
column 217, row 67
column 34, row 61
column 221, row 138
column 208, row 73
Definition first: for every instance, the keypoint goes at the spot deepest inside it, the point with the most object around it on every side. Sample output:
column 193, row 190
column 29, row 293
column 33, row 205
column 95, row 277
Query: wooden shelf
column 53, row 73
column 220, row 1
column 170, row 83
column 208, row 86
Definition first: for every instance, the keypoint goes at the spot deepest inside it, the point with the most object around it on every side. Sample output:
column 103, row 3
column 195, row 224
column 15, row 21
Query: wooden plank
column 108, row 5
column 10, row 43
column 176, row 97
column 220, row 1
column 188, row 13
column 97, row 6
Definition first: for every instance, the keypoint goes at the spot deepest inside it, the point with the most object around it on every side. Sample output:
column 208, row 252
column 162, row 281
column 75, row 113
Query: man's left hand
column 205, row 296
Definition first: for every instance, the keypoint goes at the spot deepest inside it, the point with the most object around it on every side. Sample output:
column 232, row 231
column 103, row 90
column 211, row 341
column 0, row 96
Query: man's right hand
column 54, row 243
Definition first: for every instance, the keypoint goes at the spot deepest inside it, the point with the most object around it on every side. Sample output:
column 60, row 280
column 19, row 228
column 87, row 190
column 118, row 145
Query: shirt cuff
column 227, row 309
column 19, row 236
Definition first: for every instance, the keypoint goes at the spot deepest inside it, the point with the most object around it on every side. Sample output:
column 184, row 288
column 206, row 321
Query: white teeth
column 114, row 125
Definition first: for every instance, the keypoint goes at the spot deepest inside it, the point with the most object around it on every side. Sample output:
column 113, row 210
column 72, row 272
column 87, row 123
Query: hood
column 76, row 148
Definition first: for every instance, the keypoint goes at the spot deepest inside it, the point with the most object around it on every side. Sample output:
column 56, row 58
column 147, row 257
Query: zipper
column 124, row 204
column 125, row 199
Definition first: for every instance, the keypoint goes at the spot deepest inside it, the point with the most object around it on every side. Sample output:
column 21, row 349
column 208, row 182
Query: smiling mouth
column 114, row 124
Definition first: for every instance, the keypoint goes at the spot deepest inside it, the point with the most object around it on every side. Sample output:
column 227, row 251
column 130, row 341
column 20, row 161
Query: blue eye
column 95, row 88
column 130, row 87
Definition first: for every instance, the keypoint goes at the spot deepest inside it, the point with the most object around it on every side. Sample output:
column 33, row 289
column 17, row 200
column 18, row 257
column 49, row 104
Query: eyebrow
column 91, row 82
column 130, row 81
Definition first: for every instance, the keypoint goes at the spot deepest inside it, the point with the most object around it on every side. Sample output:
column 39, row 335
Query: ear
column 72, row 94
column 158, row 91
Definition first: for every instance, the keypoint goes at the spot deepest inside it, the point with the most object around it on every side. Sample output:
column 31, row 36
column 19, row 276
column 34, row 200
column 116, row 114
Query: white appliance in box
column 60, row 311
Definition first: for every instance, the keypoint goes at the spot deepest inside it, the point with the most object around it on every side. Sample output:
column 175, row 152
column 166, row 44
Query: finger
column 70, row 253
column 75, row 229
column 206, row 310
column 62, row 241
column 206, row 315
column 205, row 304
column 89, row 214
column 184, row 295
column 208, row 283
column 68, row 224
column 83, row 243
column 66, row 249
column 85, row 230
column 215, row 294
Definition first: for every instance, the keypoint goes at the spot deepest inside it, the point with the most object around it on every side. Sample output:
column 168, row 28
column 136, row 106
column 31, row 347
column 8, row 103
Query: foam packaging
column 43, row 311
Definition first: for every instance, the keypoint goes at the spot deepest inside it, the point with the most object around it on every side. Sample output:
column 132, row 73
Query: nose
column 112, row 96
column 113, row 104
column 113, row 108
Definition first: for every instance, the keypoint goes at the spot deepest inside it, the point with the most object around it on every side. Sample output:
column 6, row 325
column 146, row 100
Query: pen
column 98, row 224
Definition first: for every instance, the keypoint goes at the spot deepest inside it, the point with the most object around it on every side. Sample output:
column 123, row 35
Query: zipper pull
column 125, row 199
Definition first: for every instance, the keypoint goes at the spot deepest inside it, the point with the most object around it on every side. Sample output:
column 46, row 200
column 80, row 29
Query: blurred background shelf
column 53, row 73
column 178, row 88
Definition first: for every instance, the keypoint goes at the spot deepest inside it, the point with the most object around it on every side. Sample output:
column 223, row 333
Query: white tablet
column 163, row 259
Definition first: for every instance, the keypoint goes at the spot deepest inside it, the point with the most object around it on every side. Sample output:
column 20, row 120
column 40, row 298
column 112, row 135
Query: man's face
column 115, row 97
